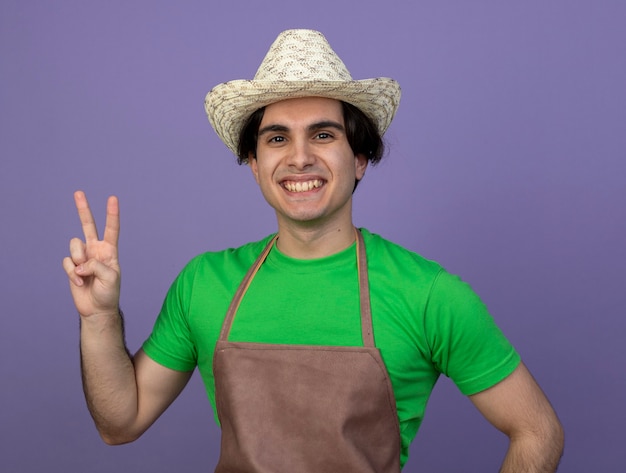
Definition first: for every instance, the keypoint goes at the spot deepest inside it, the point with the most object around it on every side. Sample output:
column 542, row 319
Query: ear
column 360, row 165
column 253, row 166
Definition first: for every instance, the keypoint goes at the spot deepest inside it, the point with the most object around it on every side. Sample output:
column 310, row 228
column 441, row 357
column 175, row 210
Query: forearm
column 534, row 453
column 518, row 407
column 108, row 377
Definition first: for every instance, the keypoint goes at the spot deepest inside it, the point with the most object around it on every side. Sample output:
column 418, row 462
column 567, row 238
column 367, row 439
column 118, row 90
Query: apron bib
column 301, row 408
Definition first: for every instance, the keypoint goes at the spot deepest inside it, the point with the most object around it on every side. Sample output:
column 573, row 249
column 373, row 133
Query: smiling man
column 320, row 344
column 306, row 170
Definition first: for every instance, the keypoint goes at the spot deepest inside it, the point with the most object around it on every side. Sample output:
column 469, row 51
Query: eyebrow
column 312, row 127
column 272, row 128
column 326, row 124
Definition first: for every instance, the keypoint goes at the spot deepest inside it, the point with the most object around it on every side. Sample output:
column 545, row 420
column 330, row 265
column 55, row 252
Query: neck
column 314, row 242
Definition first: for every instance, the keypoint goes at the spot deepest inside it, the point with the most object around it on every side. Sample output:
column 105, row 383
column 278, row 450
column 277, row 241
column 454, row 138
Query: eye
column 323, row 136
column 276, row 139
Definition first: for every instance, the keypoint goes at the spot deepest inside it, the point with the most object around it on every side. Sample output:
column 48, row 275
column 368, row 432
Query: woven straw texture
column 300, row 63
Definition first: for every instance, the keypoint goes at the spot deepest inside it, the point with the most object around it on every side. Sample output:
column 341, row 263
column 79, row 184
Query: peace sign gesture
column 93, row 268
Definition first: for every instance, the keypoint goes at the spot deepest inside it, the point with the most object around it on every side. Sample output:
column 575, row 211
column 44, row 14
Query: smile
column 302, row 186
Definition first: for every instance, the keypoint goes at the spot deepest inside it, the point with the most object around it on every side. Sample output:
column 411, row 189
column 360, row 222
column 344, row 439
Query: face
column 304, row 164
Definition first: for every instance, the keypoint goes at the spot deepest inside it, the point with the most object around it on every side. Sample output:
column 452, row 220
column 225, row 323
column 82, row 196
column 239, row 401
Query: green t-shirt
column 426, row 321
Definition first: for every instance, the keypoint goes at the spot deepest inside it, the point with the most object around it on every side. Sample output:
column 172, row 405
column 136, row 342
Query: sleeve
column 170, row 343
column 466, row 345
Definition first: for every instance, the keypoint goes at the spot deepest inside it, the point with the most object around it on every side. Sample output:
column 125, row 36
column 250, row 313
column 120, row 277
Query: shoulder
column 396, row 261
column 229, row 258
column 423, row 281
column 217, row 268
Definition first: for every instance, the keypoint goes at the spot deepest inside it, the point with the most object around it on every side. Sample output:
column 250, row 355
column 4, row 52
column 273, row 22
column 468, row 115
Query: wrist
column 103, row 321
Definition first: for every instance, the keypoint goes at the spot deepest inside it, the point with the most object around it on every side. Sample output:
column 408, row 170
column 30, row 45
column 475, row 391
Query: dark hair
column 361, row 132
column 249, row 136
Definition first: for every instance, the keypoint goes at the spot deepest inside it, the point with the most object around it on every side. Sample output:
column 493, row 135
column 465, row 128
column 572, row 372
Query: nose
column 301, row 154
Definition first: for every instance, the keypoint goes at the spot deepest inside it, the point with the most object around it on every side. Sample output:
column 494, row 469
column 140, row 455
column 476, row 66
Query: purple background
column 506, row 165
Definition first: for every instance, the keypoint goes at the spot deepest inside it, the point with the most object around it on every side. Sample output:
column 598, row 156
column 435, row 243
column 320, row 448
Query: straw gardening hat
column 300, row 63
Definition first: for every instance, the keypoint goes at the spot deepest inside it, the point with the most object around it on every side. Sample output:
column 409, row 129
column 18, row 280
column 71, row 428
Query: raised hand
column 93, row 268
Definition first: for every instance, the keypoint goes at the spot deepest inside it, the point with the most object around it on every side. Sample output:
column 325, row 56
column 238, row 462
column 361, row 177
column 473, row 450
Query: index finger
column 86, row 218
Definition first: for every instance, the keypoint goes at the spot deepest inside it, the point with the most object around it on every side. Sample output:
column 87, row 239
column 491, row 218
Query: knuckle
column 76, row 242
column 68, row 265
column 77, row 250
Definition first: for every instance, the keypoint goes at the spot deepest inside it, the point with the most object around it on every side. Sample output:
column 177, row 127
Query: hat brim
column 229, row 105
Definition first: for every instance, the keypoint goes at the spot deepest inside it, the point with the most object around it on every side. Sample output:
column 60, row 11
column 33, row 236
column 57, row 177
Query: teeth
column 303, row 186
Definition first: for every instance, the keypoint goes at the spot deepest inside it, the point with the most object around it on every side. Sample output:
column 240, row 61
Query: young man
column 319, row 346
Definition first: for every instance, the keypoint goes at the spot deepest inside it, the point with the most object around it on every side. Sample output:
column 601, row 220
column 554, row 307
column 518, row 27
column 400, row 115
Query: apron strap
column 364, row 292
column 241, row 290
column 367, row 331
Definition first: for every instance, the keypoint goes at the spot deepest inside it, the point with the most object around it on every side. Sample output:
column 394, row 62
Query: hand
column 93, row 268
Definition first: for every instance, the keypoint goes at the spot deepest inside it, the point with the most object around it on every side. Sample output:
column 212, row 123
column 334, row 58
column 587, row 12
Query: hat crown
column 300, row 63
column 301, row 55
